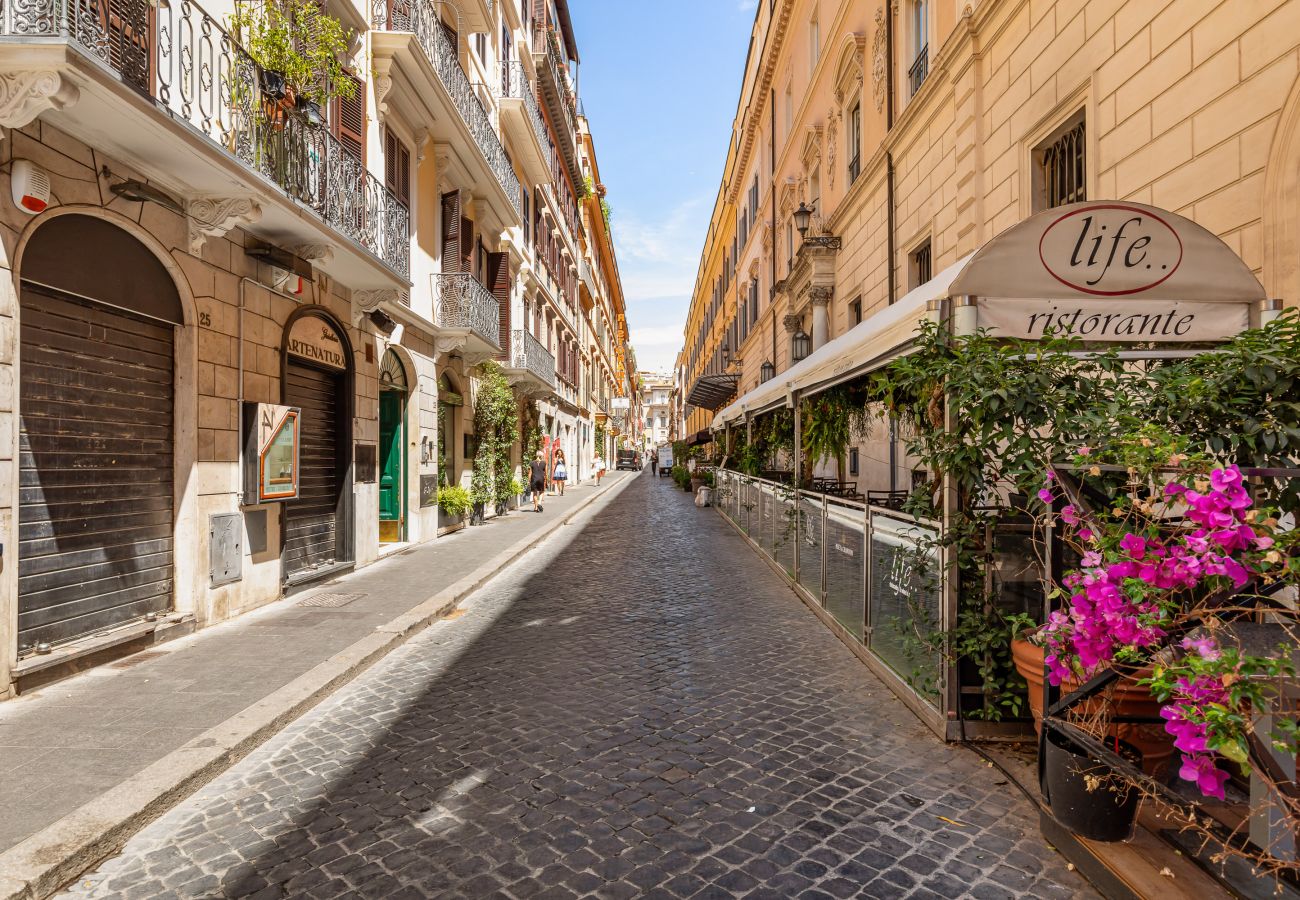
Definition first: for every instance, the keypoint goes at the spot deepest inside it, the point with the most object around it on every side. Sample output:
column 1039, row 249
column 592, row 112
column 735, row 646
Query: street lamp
column 726, row 354
column 800, row 345
column 767, row 371
column 802, row 219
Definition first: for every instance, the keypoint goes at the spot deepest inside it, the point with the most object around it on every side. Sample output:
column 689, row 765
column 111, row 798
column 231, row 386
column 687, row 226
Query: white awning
column 865, row 346
column 1104, row 271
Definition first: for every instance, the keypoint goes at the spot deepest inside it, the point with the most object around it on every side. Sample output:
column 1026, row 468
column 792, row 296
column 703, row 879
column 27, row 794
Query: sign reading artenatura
column 1110, row 271
column 313, row 338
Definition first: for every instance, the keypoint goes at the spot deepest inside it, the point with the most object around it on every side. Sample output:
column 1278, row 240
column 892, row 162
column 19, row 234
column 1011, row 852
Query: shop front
column 97, row 432
column 318, row 527
column 1145, row 282
column 393, row 394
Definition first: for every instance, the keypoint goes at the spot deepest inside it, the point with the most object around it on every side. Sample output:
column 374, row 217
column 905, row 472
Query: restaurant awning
column 1103, row 271
column 712, row 391
column 703, row 436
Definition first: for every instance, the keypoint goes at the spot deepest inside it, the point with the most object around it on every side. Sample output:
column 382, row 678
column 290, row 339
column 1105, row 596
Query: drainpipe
column 892, row 249
column 771, row 180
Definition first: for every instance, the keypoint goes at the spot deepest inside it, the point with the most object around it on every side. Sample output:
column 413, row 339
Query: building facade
column 656, row 401
column 241, row 332
column 913, row 131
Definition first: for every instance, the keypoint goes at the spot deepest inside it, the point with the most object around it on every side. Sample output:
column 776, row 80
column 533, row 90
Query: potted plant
column 453, row 502
column 298, row 50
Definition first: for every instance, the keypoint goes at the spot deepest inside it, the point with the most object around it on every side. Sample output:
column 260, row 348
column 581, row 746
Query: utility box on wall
column 272, row 438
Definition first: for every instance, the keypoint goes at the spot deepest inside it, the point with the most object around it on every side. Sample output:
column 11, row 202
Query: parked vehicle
column 626, row 459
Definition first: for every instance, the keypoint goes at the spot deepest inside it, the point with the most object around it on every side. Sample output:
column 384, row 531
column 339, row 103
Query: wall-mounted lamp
column 767, row 371
column 800, row 345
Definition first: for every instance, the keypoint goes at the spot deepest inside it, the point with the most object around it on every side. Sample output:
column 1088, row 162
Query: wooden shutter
column 498, row 268
column 397, row 167
column 348, row 119
column 466, row 245
column 451, row 220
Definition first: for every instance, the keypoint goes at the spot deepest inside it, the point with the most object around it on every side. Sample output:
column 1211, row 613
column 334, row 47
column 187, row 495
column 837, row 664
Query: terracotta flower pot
column 1131, row 699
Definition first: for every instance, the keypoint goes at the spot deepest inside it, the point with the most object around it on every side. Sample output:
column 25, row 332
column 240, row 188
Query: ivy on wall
column 496, row 422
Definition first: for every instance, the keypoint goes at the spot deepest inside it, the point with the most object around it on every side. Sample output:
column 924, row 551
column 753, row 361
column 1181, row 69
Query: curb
column 61, row 852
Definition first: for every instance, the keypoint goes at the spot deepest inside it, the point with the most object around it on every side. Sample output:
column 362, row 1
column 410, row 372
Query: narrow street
column 638, row 708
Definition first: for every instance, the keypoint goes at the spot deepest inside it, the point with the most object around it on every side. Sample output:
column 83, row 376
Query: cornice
column 762, row 89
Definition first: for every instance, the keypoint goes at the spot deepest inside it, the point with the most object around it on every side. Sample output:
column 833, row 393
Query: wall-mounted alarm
column 31, row 187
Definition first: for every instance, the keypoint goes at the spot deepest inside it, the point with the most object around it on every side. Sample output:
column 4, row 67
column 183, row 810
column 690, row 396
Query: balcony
column 522, row 119
column 920, row 68
column 469, row 316
column 167, row 90
column 561, row 103
column 418, row 71
column 528, row 365
column 587, row 284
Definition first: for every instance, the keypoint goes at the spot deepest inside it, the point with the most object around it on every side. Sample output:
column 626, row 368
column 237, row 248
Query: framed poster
column 272, row 439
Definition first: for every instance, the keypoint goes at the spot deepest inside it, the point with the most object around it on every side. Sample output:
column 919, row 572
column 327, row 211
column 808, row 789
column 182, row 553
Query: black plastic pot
column 272, row 83
column 1106, row 812
column 476, row 516
column 502, row 509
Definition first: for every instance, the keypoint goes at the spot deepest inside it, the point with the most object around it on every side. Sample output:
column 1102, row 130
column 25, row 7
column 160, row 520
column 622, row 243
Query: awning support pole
column 965, row 316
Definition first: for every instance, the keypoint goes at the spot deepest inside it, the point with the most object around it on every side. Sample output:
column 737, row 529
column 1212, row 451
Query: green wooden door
column 390, row 463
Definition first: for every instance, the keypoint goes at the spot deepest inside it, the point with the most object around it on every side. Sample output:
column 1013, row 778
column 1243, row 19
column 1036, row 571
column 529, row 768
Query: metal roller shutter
column 95, row 468
column 311, row 520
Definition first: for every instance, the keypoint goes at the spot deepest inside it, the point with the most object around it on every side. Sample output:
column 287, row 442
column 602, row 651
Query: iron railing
column 182, row 59
column 561, row 100
column 463, row 302
column 421, row 19
column 920, row 68
column 528, row 354
column 515, row 86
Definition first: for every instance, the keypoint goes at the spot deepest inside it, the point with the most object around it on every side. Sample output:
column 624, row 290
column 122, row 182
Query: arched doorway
column 449, row 402
column 393, row 391
column 99, row 313
column 318, row 530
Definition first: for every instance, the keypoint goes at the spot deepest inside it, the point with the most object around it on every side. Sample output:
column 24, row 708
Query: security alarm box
column 272, row 441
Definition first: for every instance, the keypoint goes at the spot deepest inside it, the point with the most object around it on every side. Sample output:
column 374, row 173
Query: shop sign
column 271, row 448
column 313, row 338
column 1113, row 320
column 1110, row 249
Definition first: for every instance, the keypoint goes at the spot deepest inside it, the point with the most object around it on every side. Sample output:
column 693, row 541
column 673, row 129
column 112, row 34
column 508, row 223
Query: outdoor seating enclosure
column 1109, row 273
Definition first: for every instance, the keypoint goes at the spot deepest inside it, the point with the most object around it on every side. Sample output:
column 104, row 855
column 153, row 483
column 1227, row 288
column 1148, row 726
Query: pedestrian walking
column 654, row 465
column 598, row 465
column 537, row 480
column 561, row 472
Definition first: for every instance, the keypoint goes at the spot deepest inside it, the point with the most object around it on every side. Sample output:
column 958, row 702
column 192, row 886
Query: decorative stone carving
column 215, row 216
column 832, row 135
column 792, row 323
column 879, row 63
column 323, row 253
column 821, row 294
column 383, row 84
column 369, row 301
column 25, row 95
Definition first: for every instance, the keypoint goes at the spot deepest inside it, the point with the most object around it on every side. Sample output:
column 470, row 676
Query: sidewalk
column 116, row 745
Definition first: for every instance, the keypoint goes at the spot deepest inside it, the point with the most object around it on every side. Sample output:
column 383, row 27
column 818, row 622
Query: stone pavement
column 637, row 709
column 74, row 740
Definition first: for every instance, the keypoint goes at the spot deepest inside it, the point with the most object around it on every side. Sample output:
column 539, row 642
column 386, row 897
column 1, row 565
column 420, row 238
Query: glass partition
column 845, row 538
column 810, row 544
column 905, row 600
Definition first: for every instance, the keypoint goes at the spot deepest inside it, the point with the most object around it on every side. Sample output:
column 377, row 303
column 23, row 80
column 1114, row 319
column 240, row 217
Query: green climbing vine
column 496, row 422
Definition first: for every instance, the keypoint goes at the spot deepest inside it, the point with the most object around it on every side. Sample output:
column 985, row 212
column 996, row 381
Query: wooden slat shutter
column 451, row 220
column 498, row 268
column 397, row 167
column 466, row 245
column 348, row 119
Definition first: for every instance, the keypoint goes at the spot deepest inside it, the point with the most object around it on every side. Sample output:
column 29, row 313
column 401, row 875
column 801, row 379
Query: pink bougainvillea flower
column 1051, row 476
column 1085, row 451
column 1045, row 495
column 1174, row 489
column 1201, row 770
column 1085, row 534
column 1133, row 545
column 1205, row 647
column 1069, row 515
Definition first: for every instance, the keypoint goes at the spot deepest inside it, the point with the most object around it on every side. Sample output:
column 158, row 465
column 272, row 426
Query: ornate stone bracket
column 449, row 343
column 25, row 95
column 792, row 323
column 321, row 253
column 821, row 294
column 383, row 67
column 215, row 216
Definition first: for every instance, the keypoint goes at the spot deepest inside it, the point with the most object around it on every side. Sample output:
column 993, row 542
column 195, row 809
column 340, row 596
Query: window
column 853, row 460
column 855, row 142
column 814, row 43
column 480, row 46
column 1060, row 166
column 789, row 245
column 789, row 110
column 920, row 45
column 918, row 266
column 855, row 312
column 753, row 300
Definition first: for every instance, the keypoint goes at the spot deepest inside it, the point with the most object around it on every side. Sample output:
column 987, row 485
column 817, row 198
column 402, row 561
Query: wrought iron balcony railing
column 463, row 302
column 561, row 101
column 421, row 19
column 514, row 84
column 182, row 59
column 920, row 68
column 528, row 354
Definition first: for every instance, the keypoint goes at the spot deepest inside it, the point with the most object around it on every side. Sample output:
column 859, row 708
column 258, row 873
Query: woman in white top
column 598, row 466
column 560, row 473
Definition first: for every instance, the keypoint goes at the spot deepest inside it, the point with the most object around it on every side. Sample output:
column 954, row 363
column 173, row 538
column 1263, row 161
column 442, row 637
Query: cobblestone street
column 639, row 708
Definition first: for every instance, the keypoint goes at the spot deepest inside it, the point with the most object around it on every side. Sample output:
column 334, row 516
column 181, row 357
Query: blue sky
column 659, row 83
